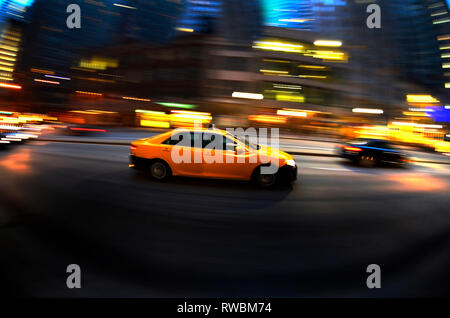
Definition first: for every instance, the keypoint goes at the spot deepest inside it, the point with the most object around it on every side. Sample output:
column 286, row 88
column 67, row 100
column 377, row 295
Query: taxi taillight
column 133, row 147
column 355, row 149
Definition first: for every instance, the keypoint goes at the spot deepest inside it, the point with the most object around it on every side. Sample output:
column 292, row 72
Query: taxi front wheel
column 159, row 170
column 264, row 180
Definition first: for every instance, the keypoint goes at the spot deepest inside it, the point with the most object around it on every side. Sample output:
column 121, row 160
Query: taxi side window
column 178, row 139
column 199, row 140
column 196, row 140
column 213, row 141
column 217, row 142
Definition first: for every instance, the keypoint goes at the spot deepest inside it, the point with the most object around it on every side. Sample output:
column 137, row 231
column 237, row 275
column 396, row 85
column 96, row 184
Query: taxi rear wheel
column 159, row 170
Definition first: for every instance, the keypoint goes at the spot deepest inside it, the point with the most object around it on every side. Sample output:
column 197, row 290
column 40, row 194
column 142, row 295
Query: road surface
column 69, row 203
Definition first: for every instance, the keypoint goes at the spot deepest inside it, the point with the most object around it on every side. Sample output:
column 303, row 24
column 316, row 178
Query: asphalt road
column 68, row 203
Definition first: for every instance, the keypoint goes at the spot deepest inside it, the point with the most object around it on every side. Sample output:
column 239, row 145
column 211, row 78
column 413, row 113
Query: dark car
column 371, row 152
column 3, row 143
column 11, row 138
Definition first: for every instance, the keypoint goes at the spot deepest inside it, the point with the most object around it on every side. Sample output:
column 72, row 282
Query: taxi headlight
column 290, row 163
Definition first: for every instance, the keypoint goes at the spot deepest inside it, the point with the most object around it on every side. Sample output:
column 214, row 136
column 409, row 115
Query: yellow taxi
column 211, row 153
column 442, row 146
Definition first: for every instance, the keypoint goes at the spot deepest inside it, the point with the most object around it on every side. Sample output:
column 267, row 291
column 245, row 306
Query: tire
column 264, row 180
column 367, row 161
column 160, row 171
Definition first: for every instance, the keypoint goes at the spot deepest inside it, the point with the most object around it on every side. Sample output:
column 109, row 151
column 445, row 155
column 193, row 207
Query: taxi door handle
column 166, row 149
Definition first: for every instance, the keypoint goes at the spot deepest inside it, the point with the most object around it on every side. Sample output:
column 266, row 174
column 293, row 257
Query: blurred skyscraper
column 13, row 9
column 314, row 15
column 405, row 48
column 415, row 37
column 296, row 14
column 200, row 16
column 249, row 16
column 439, row 11
column 51, row 44
column 236, row 20
column 329, row 15
column 12, row 15
column 52, row 55
column 149, row 21
column 242, row 21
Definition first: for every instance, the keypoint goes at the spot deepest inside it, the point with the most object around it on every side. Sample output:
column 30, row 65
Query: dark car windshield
column 373, row 143
column 359, row 142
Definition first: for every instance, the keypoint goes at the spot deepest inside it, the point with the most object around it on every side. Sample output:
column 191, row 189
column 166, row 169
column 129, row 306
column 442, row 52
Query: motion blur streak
column 6, row 85
column 418, row 182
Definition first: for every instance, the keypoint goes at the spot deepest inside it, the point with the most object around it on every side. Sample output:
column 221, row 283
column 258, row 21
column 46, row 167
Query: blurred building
column 10, row 41
column 314, row 15
column 296, row 71
column 284, row 69
column 329, row 15
column 242, row 21
column 296, row 54
column 13, row 17
column 200, row 16
column 404, row 50
column 53, row 54
column 51, row 44
column 13, row 9
column 13, row 14
column 235, row 20
column 413, row 31
column 251, row 15
column 148, row 21
column 439, row 12
column 296, row 14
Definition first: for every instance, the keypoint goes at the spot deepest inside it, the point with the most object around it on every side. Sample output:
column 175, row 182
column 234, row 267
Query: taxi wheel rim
column 266, row 179
column 158, row 170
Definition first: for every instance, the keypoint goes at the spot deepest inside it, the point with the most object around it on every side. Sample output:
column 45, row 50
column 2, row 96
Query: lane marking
column 331, row 169
column 314, row 148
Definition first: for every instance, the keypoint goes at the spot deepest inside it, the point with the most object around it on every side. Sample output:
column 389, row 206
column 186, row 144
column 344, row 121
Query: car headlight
column 290, row 163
